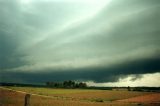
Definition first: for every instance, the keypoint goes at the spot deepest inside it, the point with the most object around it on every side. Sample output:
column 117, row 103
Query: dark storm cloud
column 105, row 74
column 9, row 57
column 10, row 35
column 56, row 41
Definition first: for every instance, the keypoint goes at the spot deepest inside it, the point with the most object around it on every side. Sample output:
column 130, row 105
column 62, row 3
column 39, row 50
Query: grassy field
column 75, row 97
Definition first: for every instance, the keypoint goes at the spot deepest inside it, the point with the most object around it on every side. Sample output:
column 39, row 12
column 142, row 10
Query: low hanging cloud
column 89, row 41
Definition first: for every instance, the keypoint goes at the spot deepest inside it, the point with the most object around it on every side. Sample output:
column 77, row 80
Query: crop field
column 14, row 96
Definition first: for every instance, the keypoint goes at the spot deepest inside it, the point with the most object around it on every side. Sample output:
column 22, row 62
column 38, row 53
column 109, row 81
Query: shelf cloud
column 100, row 41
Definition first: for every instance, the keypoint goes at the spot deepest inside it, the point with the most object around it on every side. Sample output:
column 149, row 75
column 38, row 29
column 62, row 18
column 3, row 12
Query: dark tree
column 66, row 84
column 129, row 89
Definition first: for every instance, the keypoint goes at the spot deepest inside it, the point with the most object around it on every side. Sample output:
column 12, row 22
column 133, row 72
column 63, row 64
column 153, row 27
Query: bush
column 98, row 100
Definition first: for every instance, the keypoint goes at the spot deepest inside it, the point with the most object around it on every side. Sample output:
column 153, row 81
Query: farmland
column 14, row 96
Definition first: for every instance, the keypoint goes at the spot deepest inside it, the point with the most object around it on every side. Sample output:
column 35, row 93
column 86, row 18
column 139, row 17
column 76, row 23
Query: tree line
column 66, row 84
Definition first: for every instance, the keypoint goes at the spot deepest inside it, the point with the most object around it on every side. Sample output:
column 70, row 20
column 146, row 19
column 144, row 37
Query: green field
column 68, row 97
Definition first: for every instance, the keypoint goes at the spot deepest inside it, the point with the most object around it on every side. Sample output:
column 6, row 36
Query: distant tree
column 47, row 83
column 82, row 85
column 66, row 84
column 77, row 85
column 129, row 89
column 69, row 84
column 50, row 84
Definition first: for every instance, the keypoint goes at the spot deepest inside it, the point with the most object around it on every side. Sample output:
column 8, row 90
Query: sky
column 100, row 42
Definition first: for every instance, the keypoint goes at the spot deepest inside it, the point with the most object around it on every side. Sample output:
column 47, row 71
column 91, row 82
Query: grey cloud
column 9, row 57
column 100, row 74
column 35, row 34
column 10, row 35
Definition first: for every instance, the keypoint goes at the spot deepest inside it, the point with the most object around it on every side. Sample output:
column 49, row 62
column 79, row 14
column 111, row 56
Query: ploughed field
column 14, row 96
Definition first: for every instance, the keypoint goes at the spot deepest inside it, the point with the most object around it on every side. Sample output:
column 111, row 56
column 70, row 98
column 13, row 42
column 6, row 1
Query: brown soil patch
column 150, row 98
column 9, row 97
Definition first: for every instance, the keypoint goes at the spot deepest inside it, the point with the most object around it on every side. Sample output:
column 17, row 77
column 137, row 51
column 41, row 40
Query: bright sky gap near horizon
column 101, row 42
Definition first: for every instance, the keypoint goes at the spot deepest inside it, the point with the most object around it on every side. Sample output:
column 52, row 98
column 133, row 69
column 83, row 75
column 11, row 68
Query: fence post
column 27, row 100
